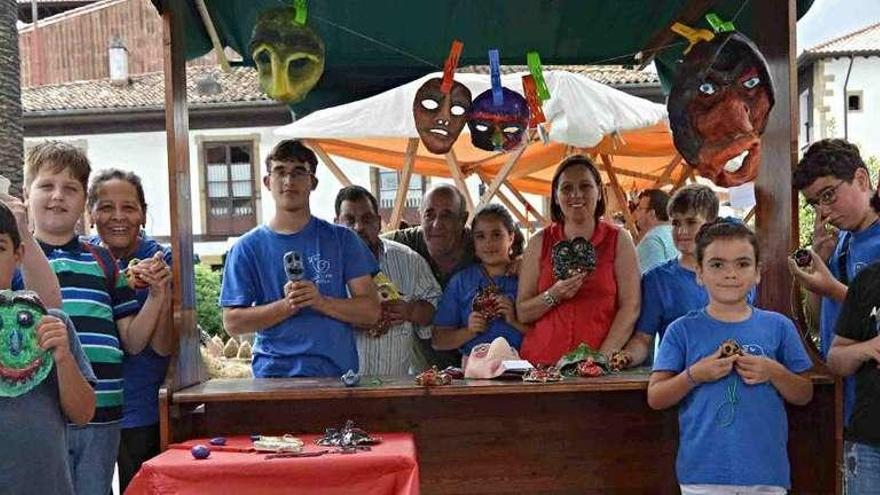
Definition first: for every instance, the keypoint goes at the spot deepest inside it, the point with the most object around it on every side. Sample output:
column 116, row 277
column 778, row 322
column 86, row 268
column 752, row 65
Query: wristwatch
column 549, row 299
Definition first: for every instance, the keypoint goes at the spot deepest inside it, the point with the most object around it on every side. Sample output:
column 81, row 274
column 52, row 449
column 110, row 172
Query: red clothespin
column 530, row 89
column 450, row 65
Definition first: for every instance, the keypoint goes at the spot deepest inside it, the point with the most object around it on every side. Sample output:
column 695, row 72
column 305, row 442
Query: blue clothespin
column 495, row 75
column 718, row 24
column 302, row 11
column 533, row 60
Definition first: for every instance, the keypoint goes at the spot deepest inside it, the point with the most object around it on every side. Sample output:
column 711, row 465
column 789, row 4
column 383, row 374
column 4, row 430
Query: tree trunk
column 11, row 132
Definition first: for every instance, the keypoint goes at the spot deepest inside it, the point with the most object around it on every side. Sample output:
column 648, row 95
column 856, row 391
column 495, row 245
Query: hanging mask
column 289, row 56
column 501, row 127
column 23, row 364
column 440, row 116
column 718, row 108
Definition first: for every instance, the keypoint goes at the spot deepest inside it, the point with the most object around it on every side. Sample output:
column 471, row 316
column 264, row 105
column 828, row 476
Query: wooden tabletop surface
column 273, row 389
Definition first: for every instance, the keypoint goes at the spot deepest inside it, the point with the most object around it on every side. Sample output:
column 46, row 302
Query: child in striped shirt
column 97, row 298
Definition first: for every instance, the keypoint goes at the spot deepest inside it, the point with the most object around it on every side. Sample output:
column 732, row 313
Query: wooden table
column 582, row 435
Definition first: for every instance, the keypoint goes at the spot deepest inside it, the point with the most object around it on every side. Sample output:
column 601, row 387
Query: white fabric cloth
column 580, row 111
column 732, row 490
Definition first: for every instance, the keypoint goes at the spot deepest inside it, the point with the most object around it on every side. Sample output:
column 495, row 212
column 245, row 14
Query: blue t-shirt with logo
column 308, row 343
column 741, row 441
column 669, row 291
column 862, row 249
column 457, row 302
column 144, row 372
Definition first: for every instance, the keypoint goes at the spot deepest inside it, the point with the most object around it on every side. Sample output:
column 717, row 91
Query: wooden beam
column 689, row 14
column 499, row 178
column 189, row 369
column 529, row 208
column 409, row 160
column 328, row 161
column 749, row 215
column 621, row 196
column 666, row 177
column 639, row 175
column 506, row 201
column 212, row 34
column 455, row 170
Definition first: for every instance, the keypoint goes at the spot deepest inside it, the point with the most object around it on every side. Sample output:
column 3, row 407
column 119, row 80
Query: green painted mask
column 289, row 56
column 23, row 365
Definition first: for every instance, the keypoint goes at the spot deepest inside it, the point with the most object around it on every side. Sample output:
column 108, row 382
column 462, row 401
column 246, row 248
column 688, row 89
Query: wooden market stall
column 578, row 436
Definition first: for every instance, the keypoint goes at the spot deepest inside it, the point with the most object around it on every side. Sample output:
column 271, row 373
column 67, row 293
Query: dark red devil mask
column 718, row 108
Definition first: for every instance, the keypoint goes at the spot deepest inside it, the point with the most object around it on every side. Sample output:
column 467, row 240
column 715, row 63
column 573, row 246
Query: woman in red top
column 599, row 308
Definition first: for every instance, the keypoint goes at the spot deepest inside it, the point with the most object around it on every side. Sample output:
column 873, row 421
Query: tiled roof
column 210, row 86
column 865, row 41
column 612, row 75
column 205, row 86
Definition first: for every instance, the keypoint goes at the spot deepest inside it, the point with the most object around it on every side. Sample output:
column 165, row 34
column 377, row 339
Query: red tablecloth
column 389, row 468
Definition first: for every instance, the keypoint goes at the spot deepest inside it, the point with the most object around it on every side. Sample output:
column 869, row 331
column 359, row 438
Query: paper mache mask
column 23, row 364
column 498, row 128
column 718, row 108
column 439, row 116
column 289, row 56
column 485, row 360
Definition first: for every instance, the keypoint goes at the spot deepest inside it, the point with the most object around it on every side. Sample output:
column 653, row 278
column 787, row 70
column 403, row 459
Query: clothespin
column 693, row 36
column 302, row 11
column 533, row 60
column 495, row 76
column 450, row 65
column 718, row 24
column 530, row 89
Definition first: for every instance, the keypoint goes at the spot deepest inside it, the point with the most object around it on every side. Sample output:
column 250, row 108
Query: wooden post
column 212, row 33
column 189, row 361
column 412, row 147
column 459, row 180
column 337, row 172
column 776, row 213
column 667, row 172
column 529, row 208
column 506, row 201
column 499, row 178
column 618, row 191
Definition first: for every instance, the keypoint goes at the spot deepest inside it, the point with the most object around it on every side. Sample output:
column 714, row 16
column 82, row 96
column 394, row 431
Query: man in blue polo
column 304, row 327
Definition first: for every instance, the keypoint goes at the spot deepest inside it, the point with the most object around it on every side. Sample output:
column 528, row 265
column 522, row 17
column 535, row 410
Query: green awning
column 372, row 46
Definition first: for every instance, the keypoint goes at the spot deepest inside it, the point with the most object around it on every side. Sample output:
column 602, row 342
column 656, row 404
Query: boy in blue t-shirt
column 835, row 181
column 304, row 327
column 32, row 436
column 732, row 422
column 670, row 289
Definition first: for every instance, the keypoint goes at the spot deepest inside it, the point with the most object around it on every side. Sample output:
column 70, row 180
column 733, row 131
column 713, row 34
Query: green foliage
column 207, row 300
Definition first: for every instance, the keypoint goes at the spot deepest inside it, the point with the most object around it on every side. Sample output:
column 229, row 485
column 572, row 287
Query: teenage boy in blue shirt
column 304, row 327
column 835, row 181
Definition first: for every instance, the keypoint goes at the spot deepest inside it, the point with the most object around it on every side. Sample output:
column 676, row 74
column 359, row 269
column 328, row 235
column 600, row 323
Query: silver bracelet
column 549, row 299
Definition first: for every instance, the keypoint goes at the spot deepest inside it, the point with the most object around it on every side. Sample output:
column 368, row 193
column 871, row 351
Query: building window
column 385, row 184
column 854, row 101
column 230, row 198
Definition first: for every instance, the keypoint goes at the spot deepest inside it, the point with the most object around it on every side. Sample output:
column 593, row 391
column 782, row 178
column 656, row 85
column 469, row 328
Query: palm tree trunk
column 11, row 132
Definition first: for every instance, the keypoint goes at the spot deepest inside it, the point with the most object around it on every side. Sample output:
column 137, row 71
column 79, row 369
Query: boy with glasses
column 304, row 326
column 834, row 180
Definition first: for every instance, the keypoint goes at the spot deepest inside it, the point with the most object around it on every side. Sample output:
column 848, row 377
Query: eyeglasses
column 827, row 197
column 294, row 173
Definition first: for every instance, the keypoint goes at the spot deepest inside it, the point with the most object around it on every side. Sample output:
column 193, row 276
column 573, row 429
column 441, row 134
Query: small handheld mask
column 23, row 364
column 293, row 266
column 573, row 257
